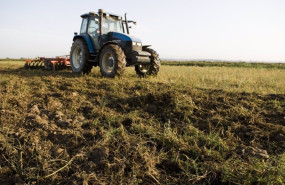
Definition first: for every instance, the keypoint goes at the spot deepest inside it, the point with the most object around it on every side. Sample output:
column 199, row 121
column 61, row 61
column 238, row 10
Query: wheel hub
column 143, row 68
column 108, row 62
column 77, row 57
column 111, row 62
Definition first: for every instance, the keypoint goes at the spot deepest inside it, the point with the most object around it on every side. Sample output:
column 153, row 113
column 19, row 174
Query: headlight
column 137, row 44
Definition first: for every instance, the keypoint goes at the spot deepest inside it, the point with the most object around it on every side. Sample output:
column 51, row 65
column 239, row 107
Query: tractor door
column 93, row 31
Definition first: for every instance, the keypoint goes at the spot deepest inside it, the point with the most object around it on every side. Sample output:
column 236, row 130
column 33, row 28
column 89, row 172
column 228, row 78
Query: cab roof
column 95, row 13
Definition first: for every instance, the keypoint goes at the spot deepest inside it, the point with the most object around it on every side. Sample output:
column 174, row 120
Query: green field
column 195, row 123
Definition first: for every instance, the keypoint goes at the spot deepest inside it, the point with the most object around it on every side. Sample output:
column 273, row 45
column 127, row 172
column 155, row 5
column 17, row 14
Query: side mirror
column 75, row 33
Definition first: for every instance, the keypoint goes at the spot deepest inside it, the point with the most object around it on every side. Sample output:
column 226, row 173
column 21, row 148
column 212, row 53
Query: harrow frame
column 55, row 64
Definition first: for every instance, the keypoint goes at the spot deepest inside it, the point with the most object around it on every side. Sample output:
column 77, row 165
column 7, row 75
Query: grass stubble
column 189, row 125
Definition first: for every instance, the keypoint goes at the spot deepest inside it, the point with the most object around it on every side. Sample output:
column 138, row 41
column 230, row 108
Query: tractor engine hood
column 123, row 37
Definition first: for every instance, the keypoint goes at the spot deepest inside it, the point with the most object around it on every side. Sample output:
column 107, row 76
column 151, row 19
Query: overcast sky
column 249, row 30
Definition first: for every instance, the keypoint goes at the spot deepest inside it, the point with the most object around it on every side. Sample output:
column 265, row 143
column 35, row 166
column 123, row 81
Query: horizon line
column 185, row 60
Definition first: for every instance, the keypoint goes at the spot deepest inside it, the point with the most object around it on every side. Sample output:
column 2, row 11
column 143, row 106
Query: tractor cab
column 97, row 27
column 104, row 30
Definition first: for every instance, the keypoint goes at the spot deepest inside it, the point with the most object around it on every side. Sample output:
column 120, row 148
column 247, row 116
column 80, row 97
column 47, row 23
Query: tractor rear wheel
column 79, row 56
column 112, row 61
column 151, row 69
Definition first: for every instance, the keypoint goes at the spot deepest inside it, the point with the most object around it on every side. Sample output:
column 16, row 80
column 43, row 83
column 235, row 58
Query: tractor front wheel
column 142, row 69
column 112, row 61
column 151, row 69
column 79, row 56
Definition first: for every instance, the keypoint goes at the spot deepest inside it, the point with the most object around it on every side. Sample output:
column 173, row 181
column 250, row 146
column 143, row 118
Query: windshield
column 111, row 24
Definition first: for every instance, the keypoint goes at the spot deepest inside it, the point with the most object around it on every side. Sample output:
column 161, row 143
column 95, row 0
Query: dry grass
column 263, row 81
column 197, row 125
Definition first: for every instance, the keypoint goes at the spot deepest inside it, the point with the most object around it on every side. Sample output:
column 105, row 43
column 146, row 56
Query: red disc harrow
column 58, row 63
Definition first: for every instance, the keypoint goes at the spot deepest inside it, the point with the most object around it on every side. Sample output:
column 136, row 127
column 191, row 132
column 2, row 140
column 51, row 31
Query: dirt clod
column 63, row 124
column 247, row 151
column 59, row 151
column 17, row 179
column 35, row 110
column 58, row 115
column 98, row 155
column 127, row 123
column 280, row 137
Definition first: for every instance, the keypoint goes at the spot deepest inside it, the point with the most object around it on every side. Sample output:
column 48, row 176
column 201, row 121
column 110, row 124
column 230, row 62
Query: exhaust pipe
column 127, row 25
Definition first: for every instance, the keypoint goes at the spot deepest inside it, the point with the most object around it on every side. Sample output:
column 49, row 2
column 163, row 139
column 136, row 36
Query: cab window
column 84, row 25
column 93, row 27
column 93, row 31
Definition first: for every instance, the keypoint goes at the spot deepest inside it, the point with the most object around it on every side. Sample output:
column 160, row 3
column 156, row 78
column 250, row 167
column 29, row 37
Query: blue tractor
column 105, row 41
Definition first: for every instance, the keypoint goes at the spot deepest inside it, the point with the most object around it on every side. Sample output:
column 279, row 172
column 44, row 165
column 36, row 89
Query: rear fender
column 88, row 41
